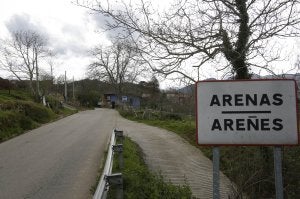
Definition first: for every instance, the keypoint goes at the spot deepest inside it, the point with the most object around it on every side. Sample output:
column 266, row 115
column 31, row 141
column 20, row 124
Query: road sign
column 247, row 112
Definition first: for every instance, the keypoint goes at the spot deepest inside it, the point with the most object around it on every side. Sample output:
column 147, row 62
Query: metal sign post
column 216, row 172
column 278, row 172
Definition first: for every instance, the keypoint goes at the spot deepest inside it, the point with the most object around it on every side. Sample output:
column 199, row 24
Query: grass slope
column 19, row 112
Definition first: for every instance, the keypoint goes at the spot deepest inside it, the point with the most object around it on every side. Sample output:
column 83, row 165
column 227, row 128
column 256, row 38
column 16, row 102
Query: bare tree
column 20, row 55
column 236, row 35
column 115, row 64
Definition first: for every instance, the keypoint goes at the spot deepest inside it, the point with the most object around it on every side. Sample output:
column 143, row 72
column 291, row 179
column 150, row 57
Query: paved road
column 57, row 160
column 176, row 159
column 60, row 160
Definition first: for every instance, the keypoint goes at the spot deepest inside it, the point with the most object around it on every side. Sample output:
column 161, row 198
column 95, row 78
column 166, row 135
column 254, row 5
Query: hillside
column 19, row 112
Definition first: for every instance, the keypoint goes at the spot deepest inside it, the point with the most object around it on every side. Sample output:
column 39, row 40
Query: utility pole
column 51, row 70
column 66, row 93
column 73, row 90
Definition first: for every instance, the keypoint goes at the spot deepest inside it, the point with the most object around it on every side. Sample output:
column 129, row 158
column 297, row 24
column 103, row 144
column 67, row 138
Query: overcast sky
column 70, row 29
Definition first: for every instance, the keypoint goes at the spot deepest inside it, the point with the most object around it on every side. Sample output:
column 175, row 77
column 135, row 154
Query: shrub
column 37, row 112
column 9, row 124
column 89, row 98
column 8, row 119
column 54, row 103
column 172, row 116
column 18, row 112
column 27, row 123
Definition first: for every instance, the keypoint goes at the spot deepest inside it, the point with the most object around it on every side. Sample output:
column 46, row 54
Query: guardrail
column 107, row 178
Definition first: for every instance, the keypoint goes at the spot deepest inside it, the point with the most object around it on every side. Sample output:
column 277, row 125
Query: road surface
column 57, row 160
column 60, row 160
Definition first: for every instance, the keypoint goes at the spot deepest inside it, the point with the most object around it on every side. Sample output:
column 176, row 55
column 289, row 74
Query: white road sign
column 250, row 112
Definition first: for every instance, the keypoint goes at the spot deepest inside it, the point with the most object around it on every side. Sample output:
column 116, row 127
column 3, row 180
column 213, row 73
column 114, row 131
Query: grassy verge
column 139, row 182
column 19, row 113
column 250, row 168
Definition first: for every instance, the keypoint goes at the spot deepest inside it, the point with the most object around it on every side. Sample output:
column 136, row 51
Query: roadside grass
column 66, row 112
column 19, row 113
column 139, row 181
column 15, row 95
column 249, row 167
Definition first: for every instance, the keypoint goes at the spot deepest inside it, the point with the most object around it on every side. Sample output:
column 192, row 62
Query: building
column 110, row 99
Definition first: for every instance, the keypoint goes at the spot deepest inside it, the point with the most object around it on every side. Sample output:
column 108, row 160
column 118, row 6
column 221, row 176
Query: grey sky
column 73, row 30
column 70, row 30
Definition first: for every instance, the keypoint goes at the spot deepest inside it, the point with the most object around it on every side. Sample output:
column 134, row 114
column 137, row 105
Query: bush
column 150, row 115
column 17, row 116
column 8, row 119
column 54, row 103
column 37, row 112
column 89, row 98
column 172, row 116
column 18, row 112
column 27, row 123
column 9, row 125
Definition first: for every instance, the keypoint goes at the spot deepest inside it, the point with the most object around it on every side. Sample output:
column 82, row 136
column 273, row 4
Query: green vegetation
column 19, row 112
column 250, row 168
column 89, row 98
column 139, row 182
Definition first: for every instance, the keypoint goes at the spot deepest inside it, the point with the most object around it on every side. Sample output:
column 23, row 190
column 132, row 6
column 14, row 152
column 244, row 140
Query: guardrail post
column 117, row 180
column 119, row 135
column 118, row 148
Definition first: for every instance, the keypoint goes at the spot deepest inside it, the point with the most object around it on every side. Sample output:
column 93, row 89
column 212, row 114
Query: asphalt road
column 60, row 160
column 57, row 160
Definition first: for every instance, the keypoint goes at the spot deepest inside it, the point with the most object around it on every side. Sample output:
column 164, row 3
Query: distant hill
column 188, row 89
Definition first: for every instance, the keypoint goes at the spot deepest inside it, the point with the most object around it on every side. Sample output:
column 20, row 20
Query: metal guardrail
column 107, row 178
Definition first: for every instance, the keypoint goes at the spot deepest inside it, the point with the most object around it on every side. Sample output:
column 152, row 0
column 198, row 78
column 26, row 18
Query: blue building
column 129, row 100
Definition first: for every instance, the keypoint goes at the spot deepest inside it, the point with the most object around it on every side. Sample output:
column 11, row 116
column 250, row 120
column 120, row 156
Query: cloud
column 69, row 48
column 101, row 22
column 24, row 22
column 73, row 31
column 71, row 40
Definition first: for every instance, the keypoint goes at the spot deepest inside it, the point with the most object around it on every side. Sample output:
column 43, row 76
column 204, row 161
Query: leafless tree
column 20, row 55
column 235, row 35
column 115, row 64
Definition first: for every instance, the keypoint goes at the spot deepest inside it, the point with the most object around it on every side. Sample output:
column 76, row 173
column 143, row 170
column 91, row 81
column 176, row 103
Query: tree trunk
column 239, row 61
column 37, row 78
column 31, row 85
column 240, row 68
